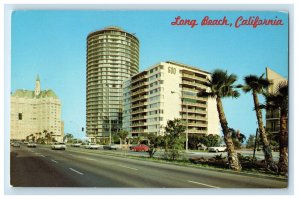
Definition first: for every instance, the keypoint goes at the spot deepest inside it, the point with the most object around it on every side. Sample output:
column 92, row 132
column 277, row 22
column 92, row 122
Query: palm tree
column 258, row 85
column 220, row 86
column 279, row 100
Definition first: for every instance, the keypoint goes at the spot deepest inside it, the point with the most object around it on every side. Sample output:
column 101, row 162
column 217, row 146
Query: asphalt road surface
column 78, row 167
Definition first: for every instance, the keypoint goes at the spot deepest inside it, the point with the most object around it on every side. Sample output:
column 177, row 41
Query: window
column 20, row 116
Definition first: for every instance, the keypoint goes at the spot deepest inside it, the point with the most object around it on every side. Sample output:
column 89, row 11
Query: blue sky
column 53, row 45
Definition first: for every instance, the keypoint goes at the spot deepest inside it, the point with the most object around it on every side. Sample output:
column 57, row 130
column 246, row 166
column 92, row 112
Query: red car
column 141, row 147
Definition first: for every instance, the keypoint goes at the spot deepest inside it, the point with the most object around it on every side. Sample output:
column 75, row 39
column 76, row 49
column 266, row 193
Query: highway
column 78, row 167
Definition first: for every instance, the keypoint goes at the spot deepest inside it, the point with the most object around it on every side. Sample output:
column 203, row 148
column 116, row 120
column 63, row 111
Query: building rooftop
column 21, row 93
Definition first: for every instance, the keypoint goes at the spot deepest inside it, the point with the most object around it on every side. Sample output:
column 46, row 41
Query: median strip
column 76, row 171
column 202, row 184
column 128, row 167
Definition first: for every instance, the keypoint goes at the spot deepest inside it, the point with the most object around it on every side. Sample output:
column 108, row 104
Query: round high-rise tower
column 112, row 56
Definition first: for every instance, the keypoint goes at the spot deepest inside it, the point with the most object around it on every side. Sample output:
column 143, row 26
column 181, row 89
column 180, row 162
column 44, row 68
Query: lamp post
column 187, row 121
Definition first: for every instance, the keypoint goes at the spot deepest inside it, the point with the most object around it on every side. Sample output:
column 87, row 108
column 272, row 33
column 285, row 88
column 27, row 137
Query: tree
column 237, row 137
column 212, row 140
column 122, row 135
column 258, row 85
column 221, row 85
column 155, row 142
column 174, row 138
column 68, row 137
column 250, row 141
column 279, row 100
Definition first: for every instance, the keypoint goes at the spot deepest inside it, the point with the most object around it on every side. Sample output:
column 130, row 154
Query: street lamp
column 187, row 121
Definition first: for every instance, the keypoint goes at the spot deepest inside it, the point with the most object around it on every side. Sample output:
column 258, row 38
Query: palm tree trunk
column 270, row 164
column 231, row 154
column 283, row 141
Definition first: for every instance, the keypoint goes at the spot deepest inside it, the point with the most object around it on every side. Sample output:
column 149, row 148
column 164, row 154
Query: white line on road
column 89, row 159
column 54, row 161
column 76, row 171
column 202, row 184
column 128, row 167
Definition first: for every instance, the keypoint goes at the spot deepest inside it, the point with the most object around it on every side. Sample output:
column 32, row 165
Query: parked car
column 92, row 146
column 16, row 144
column 202, row 147
column 111, row 147
column 58, row 146
column 31, row 144
column 141, row 147
column 221, row 148
column 76, row 144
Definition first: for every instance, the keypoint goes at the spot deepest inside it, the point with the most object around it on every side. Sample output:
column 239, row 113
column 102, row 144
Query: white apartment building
column 166, row 91
column 273, row 116
column 32, row 112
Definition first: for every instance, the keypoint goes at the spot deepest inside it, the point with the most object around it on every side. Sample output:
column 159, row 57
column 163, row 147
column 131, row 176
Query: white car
column 58, row 146
column 92, row 146
column 76, row 144
column 217, row 149
column 31, row 144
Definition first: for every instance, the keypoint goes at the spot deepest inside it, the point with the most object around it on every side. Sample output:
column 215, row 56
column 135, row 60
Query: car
column 16, row 144
column 58, row 146
column 92, row 146
column 111, row 147
column 31, row 144
column 141, row 147
column 221, row 148
column 76, row 144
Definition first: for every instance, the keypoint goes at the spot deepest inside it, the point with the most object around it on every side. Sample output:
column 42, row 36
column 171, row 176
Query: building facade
column 273, row 116
column 32, row 112
column 164, row 92
column 112, row 56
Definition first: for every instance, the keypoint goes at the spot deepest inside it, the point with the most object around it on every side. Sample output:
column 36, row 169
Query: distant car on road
column 31, row 144
column 16, row 144
column 111, row 147
column 140, row 147
column 58, row 146
column 76, row 144
column 221, row 148
column 92, row 146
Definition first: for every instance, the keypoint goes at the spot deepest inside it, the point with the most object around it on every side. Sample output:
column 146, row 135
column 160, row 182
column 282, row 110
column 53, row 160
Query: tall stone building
column 112, row 56
column 32, row 112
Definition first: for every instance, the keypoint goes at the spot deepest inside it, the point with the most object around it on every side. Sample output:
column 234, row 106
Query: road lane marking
column 128, row 167
column 54, row 161
column 76, row 171
column 202, row 184
column 89, row 159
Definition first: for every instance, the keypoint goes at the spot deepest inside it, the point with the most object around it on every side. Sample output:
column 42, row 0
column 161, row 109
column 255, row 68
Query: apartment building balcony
column 184, row 110
column 139, row 111
column 197, row 124
column 136, row 79
column 194, row 77
column 135, row 118
column 143, row 97
column 194, row 104
column 190, row 131
column 194, row 84
column 143, row 84
column 140, row 91
column 195, row 97
column 139, row 104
